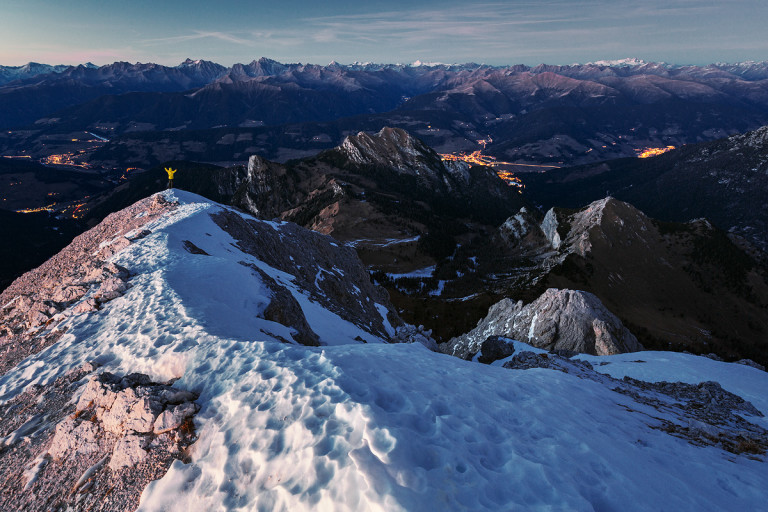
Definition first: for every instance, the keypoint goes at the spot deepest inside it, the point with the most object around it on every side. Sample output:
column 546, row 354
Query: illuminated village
column 649, row 152
column 503, row 168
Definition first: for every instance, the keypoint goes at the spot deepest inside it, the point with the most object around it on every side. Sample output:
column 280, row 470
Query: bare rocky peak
column 607, row 219
column 393, row 148
column 563, row 320
column 529, row 234
column 518, row 226
column 397, row 150
column 549, row 228
column 259, row 192
column 757, row 139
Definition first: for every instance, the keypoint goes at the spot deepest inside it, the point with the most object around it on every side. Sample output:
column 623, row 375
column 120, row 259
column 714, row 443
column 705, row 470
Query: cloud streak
column 197, row 35
column 499, row 32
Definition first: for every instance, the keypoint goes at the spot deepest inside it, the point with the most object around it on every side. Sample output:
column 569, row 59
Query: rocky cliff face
column 393, row 148
column 668, row 282
column 570, row 321
column 396, row 149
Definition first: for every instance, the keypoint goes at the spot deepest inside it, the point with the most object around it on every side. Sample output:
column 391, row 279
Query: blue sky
column 511, row 32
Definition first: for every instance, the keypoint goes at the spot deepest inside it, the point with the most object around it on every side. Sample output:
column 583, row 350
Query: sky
column 396, row 31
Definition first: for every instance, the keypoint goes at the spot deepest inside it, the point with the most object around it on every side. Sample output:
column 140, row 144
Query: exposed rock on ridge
column 704, row 414
column 331, row 273
column 97, row 452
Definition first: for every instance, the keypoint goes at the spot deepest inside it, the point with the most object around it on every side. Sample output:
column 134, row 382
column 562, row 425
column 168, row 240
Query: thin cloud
column 246, row 39
column 556, row 30
column 222, row 36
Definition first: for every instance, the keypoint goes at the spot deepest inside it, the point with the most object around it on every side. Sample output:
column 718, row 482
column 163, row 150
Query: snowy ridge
column 190, row 279
column 374, row 426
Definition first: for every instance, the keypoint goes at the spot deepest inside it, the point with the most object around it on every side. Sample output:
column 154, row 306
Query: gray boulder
column 495, row 348
column 561, row 320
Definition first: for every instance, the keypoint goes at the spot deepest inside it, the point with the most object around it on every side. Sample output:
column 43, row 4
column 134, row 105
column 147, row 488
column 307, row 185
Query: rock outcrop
column 571, row 321
column 95, row 452
column 332, row 274
column 411, row 334
column 494, row 348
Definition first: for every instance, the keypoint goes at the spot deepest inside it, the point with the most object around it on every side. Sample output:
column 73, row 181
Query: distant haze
column 396, row 31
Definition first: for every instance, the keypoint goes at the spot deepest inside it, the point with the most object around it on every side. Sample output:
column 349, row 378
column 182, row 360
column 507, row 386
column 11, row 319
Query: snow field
column 400, row 428
column 749, row 383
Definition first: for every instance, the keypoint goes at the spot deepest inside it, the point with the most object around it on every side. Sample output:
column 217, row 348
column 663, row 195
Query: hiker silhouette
column 170, row 172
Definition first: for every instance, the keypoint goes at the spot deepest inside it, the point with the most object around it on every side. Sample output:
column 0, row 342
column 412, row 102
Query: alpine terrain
column 185, row 355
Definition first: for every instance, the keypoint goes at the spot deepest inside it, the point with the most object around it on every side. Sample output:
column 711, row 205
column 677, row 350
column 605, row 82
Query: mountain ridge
column 544, row 114
column 173, row 378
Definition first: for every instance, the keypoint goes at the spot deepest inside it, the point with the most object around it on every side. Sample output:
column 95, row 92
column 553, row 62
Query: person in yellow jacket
column 170, row 172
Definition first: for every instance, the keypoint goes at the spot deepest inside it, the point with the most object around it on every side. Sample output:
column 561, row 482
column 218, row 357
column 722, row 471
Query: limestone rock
column 110, row 289
column 549, row 228
column 128, row 452
column 411, row 334
column 172, row 418
column 749, row 362
column 69, row 294
column 113, row 247
column 73, row 438
column 563, row 320
column 58, row 455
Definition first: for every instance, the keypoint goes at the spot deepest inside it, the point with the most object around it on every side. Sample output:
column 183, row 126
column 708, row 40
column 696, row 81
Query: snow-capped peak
column 630, row 61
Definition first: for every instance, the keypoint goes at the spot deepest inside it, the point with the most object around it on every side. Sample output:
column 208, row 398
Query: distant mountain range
column 559, row 115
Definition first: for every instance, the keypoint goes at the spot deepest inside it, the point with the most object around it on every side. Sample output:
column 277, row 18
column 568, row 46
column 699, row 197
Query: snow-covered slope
column 374, row 426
